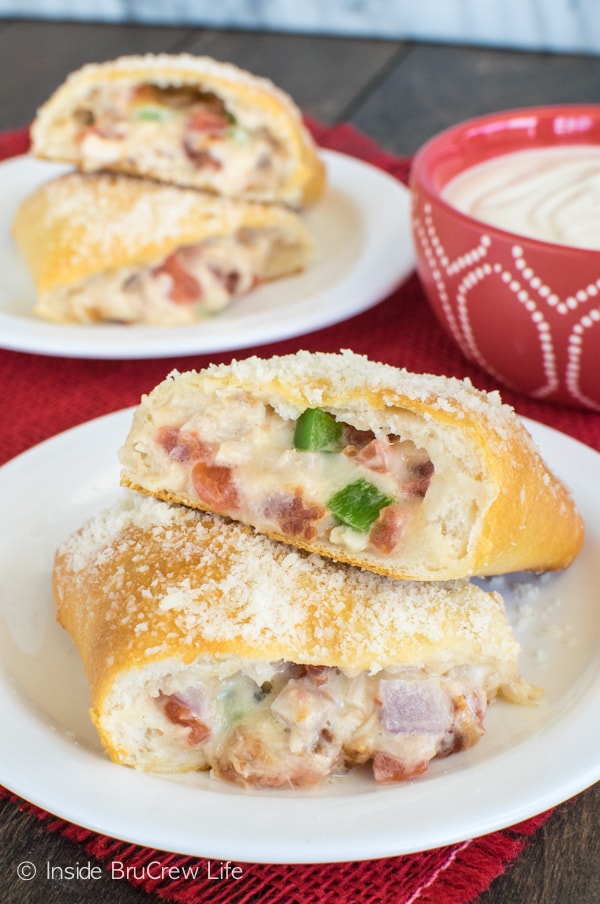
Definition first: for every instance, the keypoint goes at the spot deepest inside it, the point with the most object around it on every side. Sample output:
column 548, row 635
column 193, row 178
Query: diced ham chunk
column 372, row 456
column 251, row 758
column 410, row 705
column 185, row 710
column 230, row 279
column 183, row 446
column 422, row 473
column 199, row 155
column 355, row 438
column 295, row 517
column 388, row 530
column 303, row 706
column 205, row 123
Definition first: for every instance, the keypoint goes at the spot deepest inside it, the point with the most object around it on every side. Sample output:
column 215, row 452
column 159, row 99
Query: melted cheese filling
column 294, row 725
column 194, row 282
column 183, row 130
column 244, row 464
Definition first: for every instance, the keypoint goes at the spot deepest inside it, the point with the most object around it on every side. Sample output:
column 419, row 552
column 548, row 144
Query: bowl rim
column 420, row 175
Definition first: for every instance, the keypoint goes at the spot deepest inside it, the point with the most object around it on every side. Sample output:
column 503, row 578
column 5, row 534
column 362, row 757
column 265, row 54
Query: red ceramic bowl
column 526, row 311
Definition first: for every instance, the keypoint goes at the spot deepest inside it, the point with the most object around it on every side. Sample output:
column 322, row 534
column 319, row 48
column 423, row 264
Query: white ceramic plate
column 530, row 759
column 363, row 250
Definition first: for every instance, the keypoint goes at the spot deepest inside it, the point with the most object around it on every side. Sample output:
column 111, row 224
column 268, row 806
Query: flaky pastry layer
column 131, row 115
column 208, row 645
column 450, row 480
column 104, row 247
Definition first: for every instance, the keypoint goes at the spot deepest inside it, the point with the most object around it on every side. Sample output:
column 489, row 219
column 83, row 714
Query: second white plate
column 363, row 250
column 531, row 758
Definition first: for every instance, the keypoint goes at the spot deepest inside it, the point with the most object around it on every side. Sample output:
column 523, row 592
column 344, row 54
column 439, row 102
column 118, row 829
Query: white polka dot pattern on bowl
column 557, row 331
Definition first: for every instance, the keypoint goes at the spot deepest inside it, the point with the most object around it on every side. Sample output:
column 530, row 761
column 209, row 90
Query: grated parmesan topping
column 215, row 585
column 351, row 373
column 493, row 505
column 130, row 213
column 181, row 69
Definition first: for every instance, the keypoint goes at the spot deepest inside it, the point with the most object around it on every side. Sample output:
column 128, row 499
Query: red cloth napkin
column 455, row 874
column 44, row 395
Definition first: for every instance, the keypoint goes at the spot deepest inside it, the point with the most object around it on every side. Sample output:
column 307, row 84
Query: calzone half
column 188, row 120
column 209, row 646
column 414, row 476
column 108, row 247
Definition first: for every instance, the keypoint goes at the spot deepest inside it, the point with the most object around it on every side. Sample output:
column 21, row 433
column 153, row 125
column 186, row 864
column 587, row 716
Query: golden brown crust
column 146, row 582
column 306, row 176
column 135, row 222
column 523, row 517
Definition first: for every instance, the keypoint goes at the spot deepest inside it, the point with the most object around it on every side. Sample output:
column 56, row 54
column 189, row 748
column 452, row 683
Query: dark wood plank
column 300, row 64
column 37, row 56
column 24, row 839
column 435, row 86
column 324, row 74
column 561, row 863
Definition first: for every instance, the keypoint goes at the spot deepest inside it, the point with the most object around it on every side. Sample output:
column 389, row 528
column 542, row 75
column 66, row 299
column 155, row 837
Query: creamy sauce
column 144, row 294
column 278, row 487
column 552, row 194
column 245, row 158
column 303, row 724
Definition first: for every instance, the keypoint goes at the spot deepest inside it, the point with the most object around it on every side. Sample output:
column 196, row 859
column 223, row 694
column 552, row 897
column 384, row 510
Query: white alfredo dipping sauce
column 552, row 194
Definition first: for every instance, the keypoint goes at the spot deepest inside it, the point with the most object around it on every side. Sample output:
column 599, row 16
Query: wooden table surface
column 399, row 93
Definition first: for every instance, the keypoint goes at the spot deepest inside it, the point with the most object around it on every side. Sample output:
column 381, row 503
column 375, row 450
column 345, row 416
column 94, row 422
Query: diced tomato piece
column 388, row 530
column 204, row 123
column 388, row 769
column 215, row 486
column 180, row 713
column 203, row 119
column 183, row 445
column 294, row 516
column 185, row 288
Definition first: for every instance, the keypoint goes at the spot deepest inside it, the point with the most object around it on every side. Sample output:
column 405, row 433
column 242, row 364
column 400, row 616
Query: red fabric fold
column 455, row 874
column 49, row 394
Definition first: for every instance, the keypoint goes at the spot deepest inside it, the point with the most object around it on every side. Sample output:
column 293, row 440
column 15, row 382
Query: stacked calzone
column 283, row 593
column 151, row 136
column 108, row 248
column 210, row 646
column 187, row 120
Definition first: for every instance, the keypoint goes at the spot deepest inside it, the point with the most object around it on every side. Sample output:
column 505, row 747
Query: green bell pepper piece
column 150, row 114
column 317, row 431
column 237, row 133
column 358, row 504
